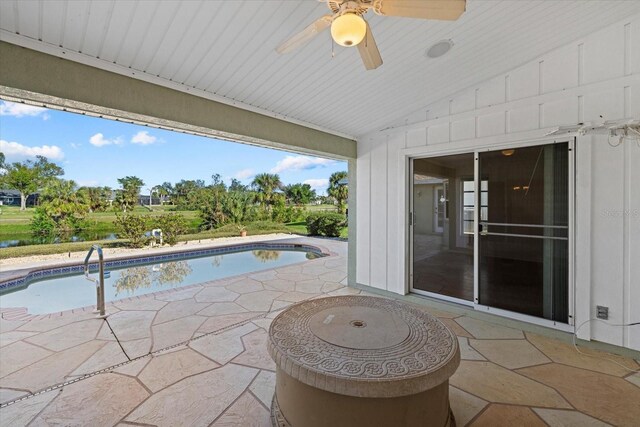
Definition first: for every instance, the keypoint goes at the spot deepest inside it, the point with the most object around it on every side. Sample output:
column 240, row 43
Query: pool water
column 68, row 292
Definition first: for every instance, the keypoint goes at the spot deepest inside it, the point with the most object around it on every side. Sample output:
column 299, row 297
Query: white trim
column 490, row 143
column 436, row 208
column 91, row 61
column 409, row 286
column 476, row 231
column 582, row 244
column 524, row 318
column 441, row 297
column 571, row 232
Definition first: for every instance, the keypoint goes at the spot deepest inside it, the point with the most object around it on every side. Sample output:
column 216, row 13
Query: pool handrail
column 99, row 282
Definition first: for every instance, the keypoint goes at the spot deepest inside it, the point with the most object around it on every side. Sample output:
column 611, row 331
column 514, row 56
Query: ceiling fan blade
column 304, row 36
column 369, row 51
column 448, row 10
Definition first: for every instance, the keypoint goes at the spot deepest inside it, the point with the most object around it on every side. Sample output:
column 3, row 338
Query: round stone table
column 361, row 361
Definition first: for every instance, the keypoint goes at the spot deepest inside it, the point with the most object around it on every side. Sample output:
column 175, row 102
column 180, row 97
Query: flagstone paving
column 210, row 364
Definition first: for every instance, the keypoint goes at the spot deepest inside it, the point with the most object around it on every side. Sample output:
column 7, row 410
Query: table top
column 363, row 346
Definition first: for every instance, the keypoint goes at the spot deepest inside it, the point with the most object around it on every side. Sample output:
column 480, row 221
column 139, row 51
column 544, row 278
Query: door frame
column 409, row 157
column 436, row 209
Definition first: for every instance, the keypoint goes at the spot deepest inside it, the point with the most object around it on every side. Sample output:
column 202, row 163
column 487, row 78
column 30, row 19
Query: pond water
column 25, row 239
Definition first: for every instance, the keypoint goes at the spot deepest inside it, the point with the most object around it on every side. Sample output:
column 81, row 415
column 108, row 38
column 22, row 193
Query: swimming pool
column 65, row 288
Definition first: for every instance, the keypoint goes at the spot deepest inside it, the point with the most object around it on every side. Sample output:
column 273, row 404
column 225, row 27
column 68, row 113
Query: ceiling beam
column 36, row 77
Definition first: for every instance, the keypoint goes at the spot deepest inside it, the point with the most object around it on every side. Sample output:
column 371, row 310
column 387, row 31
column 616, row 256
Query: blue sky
column 96, row 151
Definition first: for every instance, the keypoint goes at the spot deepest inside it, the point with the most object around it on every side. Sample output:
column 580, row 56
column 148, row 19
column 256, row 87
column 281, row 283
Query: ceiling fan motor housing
column 340, row 7
column 348, row 29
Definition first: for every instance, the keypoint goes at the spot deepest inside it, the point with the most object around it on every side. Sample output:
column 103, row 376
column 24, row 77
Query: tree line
column 63, row 205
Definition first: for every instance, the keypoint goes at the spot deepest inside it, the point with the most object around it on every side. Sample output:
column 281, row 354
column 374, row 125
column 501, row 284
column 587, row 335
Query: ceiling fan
column 349, row 28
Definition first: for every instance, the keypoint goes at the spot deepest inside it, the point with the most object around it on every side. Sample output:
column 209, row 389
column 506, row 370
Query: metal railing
column 484, row 230
column 99, row 281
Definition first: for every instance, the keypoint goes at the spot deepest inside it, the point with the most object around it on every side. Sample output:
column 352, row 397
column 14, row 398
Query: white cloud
column 320, row 185
column 15, row 151
column 22, row 110
column 244, row 174
column 75, row 146
column 143, row 138
column 297, row 163
column 98, row 140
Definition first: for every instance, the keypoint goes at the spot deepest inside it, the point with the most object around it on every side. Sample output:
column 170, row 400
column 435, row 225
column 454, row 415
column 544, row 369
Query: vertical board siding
column 604, row 105
column 607, row 227
column 396, row 184
column 604, row 56
column 632, row 245
column 363, row 224
column 379, row 255
column 463, row 129
column 491, row 124
column 592, row 79
column 582, row 244
column 559, row 70
column 416, row 137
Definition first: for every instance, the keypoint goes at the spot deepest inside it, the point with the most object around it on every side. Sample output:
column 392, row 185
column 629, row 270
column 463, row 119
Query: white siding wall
column 596, row 76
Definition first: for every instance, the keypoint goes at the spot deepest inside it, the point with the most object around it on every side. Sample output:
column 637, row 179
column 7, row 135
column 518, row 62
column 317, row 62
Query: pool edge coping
column 22, row 314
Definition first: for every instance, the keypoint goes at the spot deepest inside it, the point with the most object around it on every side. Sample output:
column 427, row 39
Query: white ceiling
column 226, row 48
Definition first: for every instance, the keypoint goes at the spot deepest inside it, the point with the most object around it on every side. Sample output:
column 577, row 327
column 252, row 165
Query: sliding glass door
column 523, row 246
column 442, row 227
column 491, row 228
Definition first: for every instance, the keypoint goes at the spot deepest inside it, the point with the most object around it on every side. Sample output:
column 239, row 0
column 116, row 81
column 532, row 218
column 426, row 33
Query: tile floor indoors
column 209, row 364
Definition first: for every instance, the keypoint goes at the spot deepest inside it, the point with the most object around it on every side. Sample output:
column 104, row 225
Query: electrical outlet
column 602, row 312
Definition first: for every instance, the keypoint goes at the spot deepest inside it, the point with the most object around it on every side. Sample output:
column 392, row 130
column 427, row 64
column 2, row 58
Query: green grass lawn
column 321, row 208
column 14, row 214
column 231, row 230
column 297, row 227
column 14, row 223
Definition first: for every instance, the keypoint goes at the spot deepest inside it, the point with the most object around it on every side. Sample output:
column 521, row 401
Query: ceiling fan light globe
column 348, row 29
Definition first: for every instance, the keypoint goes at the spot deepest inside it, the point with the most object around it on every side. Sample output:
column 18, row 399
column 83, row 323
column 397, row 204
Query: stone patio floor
column 209, row 364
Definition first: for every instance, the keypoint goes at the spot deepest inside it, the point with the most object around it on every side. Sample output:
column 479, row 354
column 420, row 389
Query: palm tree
column 127, row 198
column 161, row 192
column 63, row 203
column 265, row 184
column 338, row 191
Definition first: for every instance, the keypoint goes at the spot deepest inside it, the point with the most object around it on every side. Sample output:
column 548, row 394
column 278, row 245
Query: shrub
column 41, row 223
column 212, row 215
column 325, row 224
column 237, row 206
column 133, row 228
column 285, row 214
column 225, row 208
column 172, row 225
